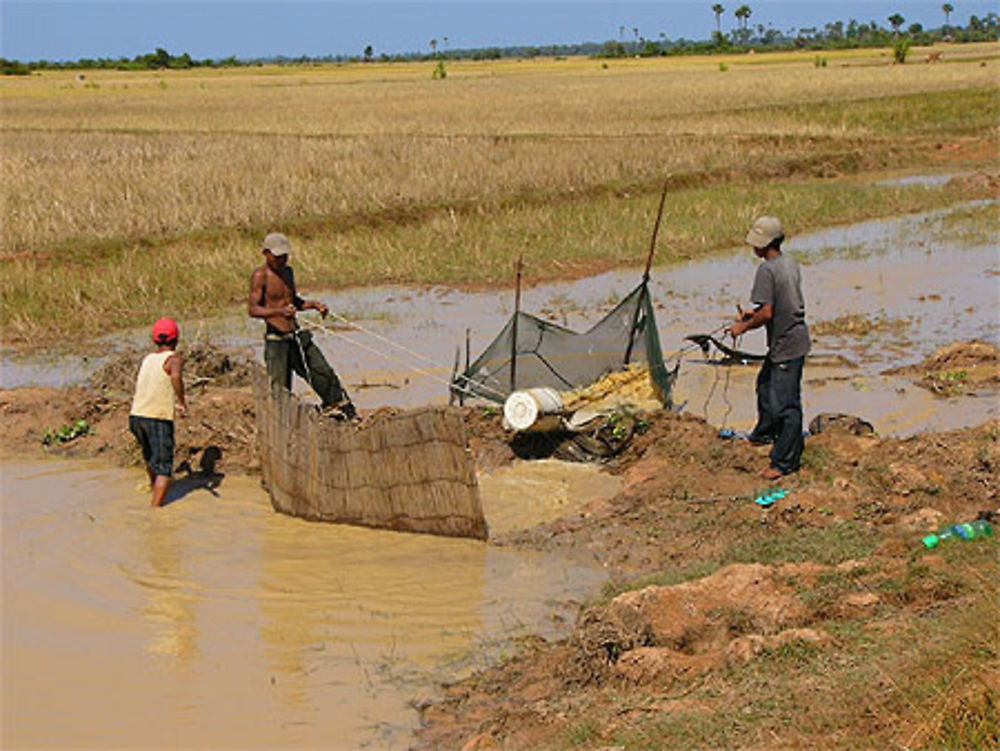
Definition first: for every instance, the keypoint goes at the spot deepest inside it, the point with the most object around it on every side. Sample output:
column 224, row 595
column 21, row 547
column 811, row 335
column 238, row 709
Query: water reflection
column 171, row 605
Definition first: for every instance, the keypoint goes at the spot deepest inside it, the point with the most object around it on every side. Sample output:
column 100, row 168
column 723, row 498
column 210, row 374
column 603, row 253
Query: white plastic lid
column 520, row 410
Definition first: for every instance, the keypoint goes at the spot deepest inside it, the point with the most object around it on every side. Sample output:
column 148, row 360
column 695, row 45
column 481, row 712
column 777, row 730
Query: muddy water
column 216, row 622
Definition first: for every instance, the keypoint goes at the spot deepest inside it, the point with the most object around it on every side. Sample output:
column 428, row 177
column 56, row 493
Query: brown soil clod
column 957, row 369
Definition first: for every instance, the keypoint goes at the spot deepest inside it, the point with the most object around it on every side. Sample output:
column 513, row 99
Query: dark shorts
column 156, row 437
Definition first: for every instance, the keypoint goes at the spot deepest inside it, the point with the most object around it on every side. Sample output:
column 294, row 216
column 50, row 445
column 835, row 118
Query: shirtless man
column 287, row 348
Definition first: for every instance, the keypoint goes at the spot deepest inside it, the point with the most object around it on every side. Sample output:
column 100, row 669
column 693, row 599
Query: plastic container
column 522, row 408
column 967, row 531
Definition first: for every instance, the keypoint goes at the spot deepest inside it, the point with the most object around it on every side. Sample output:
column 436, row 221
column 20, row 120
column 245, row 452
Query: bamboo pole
column 513, row 336
column 645, row 273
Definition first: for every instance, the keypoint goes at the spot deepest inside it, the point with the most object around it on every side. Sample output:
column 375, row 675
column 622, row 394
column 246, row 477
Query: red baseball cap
column 165, row 331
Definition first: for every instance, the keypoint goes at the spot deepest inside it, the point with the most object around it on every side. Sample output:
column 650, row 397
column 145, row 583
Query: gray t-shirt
column 778, row 283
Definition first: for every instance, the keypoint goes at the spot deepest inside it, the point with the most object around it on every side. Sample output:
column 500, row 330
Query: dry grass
column 173, row 151
column 136, row 191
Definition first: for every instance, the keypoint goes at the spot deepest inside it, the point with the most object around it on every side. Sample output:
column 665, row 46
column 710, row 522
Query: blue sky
column 68, row 30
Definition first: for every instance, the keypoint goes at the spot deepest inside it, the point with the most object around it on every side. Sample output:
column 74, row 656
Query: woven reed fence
column 409, row 471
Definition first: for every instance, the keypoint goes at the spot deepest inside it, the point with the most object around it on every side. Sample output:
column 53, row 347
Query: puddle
column 218, row 623
column 912, row 268
column 927, row 181
column 528, row 493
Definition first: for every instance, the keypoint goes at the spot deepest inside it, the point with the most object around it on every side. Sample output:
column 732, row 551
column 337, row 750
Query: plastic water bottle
column 967, row 531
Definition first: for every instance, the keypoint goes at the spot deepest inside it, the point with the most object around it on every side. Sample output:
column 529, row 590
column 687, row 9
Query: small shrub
column 67, row 433
column 723, row 67
column 439, row 71
column 900, row 49
column 819, row 61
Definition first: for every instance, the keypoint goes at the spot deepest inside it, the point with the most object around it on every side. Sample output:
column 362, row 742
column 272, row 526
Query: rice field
column 127, row 190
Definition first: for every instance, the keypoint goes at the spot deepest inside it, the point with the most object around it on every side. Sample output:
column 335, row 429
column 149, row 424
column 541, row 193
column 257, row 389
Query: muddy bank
column 848, row 528
column 721, row 595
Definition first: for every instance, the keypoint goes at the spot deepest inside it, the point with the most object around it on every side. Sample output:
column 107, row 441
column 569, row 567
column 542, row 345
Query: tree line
column 833, row 35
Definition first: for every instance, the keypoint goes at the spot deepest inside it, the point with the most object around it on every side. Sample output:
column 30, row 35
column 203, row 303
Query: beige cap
column 278, row 244
column 765, row 230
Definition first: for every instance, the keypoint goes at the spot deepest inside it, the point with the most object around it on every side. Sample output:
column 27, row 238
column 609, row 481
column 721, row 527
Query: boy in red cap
column 159, row 390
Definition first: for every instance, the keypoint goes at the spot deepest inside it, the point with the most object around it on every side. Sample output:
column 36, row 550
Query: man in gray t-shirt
column 780, row 307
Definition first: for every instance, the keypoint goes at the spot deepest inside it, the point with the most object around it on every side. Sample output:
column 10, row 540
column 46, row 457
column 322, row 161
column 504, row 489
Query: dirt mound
column 958, row 368
column 218, row 419
column 961, row 354
column 662, row 633
column 204, row 363
column 977, row 181
column 721, row 646
column 488, row 441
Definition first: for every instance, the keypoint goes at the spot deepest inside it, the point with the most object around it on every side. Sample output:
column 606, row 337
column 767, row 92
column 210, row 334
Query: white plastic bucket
column 522, row 408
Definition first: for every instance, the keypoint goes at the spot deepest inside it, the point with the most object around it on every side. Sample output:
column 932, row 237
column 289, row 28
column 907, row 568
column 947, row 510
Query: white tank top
column 154, row 393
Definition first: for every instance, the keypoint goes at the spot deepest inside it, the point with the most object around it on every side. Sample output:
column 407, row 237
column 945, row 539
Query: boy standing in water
column 159, row 390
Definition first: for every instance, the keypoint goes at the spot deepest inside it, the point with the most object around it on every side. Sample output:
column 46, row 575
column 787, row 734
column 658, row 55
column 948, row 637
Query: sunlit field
column 124, row 188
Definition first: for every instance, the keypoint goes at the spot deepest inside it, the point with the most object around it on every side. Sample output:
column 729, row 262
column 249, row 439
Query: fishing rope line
column 725, row 388
column 385, row 356
column 716, row 364
column 302, row 357
column 412, row 353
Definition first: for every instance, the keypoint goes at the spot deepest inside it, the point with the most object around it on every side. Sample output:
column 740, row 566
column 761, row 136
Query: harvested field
column 381, row 174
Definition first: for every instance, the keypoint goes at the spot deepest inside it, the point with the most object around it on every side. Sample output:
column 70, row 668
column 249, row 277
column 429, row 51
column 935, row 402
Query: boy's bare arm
column 174, row 367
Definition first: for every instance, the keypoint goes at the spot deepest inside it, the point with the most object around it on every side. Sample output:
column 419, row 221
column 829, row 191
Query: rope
column 725, row 387
column 302, row 356
column 711, row 391
column 412, row 353
column 383, row 355
column 374, row 335
column 725, row 390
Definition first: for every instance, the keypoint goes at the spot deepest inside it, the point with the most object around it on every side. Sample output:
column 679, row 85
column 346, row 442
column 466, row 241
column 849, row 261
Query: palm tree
column 718, row 9
column 896, row 20
column 947, row 8
column 743, row 13
column 434, row 45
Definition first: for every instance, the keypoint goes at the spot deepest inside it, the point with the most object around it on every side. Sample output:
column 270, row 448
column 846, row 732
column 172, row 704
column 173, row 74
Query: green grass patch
column 954, row 112
column 79, row 290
